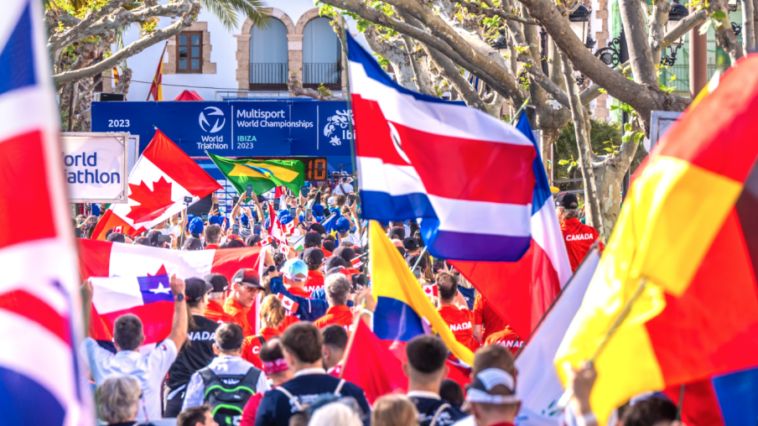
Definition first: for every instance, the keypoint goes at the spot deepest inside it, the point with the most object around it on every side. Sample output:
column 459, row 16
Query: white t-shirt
column 149, row 368
column 355, row 239
column 347, row 186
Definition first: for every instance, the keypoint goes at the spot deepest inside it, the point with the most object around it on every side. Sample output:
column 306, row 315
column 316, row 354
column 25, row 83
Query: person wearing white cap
column 492, row 398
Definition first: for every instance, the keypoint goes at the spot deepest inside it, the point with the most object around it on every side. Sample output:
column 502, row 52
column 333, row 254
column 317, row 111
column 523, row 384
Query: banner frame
column 123, row 139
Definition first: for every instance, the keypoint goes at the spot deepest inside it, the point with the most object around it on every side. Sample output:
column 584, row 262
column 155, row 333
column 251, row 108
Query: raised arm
column 179, row 325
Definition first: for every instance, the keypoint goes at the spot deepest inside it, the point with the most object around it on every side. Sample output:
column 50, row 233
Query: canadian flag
column 430, row 290
column 106, row 259
column 163, row 176
column 356, row 262
column 287, row 303
column 266, row 241
column 289, row 228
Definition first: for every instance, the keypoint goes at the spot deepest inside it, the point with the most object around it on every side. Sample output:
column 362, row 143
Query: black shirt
column 195, row 354
column 427, row 408
column 275, row 407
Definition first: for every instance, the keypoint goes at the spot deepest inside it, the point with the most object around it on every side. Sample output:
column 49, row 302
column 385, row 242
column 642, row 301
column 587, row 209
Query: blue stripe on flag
column 384, row 207
column 736, row 394
column 396, row 321
column 541, row 185
column 468, row 246
column 155, row 289
column 24, row 401
column 17, row 58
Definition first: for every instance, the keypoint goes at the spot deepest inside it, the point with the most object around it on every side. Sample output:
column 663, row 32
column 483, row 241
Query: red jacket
column 578, row 238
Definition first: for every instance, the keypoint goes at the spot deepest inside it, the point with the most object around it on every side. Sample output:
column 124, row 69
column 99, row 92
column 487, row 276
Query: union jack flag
column 39, row 303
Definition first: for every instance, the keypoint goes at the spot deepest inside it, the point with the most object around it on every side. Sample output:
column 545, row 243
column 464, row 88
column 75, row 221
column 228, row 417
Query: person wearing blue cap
column 342, row 226
column 196, row 227
column 294, row 274
column 318, row 212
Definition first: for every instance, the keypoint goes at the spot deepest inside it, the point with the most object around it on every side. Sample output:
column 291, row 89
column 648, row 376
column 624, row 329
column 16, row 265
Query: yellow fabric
column 392, row 278
column 281, row 173
column 665, row 228
column 159, row 85
column 710, row 87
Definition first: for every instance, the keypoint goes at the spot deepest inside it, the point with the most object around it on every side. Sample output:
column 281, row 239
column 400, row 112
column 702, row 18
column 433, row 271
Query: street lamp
column 676, row 14
column 733, row 5
column 579, row 25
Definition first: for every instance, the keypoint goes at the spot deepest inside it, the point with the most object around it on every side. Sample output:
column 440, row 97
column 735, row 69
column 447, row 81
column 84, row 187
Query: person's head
column 335, row 262
column 127, row 333
column 426, row 362
column 419, row 261
column 196, row 290
column 252, row 240
column 318, row 228
column 346, row 253
column 451, row 392
column 192, row 243
column 397, row 233
column 117, row 399
column 411, row 245
column 312, row 239
column 492, row 397
column 493, row 356
column 342, row 225
column 212, row 234
column 271, row 311
column 336, row 413
column 116, row 237
column 337, row 288
column 447, row 286
column 313, row 257
column 294, row 272
column 245, row 286
column 274, row 364
column 142, row 241
column 196, row 227
column 220, row 286
column 567, row 206
column 340, row 200
column 228, row 339
column 653, row 411
column 333, row 349
column 394, row 410
column 196, row 416
column 302, row 346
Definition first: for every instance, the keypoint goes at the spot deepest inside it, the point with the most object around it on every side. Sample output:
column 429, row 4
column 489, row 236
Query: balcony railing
column 682, row 72
column 271, row 73
column 315, row 73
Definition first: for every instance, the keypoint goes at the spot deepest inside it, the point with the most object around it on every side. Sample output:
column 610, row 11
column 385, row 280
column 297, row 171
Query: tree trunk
column 591, row 198
column 548, row 137
column 748, row 25
column 633, row 19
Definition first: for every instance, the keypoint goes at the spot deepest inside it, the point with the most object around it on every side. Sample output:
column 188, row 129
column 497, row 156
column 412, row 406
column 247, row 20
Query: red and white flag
column 287, row 303
column 40, row 318
column 356, row 262
column 106, row 259
column 289, row 228
column 158, row 184
column 430, row 290
column 266, row 241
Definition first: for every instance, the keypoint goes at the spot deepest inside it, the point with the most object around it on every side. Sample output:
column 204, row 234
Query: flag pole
column 349, row 98
column 158, row 72
column 518, row 112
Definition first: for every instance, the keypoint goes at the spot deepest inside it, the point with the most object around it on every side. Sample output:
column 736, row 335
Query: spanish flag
column 155, row 89
column 403, row 309
column 261, row 174
column 683, row 257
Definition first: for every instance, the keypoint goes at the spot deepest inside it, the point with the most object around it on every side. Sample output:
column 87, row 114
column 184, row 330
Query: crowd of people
column 268, row 349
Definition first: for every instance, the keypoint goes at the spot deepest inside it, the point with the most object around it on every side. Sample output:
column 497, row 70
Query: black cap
column 567, row 200
column 319, row 228
column 410, row 244
column 154, row 238
column 218, row 281
column 312, row 239
column 116, row 237
column 143, row 241
column 328, row 245
column 247, row 277
column 332, row 271
column 335, row 262
column 346, row 253
column 313, row 256
column 193, row 243
column 397, row 233
column 196, row 288
column 421, row 263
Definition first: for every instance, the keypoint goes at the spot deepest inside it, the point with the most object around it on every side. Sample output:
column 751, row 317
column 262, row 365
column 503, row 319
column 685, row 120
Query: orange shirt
column 240, row 316
column 251, row 346
column 315, row 281
column 340, row 315
column 578, row 238
column 289, row 319
column 485, row 316
column 299, row 291
column 461, row 323
column 507, row 338
column 211, row 247
column 215, row 312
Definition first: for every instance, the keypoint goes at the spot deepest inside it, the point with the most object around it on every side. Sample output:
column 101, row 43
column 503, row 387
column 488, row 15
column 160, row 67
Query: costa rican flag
column 40, row 326
column 467, row 175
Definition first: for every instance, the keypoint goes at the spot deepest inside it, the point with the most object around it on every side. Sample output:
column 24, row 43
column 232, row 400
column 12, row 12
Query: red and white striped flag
column 40, row 318
column 266, row 241
column 106, row 259
column 356, row 262
column 163, row 176
column 287, row 303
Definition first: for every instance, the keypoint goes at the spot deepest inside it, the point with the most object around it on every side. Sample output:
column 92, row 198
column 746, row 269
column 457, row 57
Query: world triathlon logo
column 217, row 125
column 338, row 127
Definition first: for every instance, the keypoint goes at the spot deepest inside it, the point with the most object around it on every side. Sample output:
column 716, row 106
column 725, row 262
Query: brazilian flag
column 261, row 174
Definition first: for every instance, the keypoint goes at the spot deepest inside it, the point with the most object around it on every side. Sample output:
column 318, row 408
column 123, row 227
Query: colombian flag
column 261, row 174
column 402, row 306
column 690, row 228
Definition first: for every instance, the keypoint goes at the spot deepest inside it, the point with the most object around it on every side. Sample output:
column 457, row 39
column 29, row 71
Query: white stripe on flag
column 546, row 232
column 479, row 217
column 438, row 118
column 140, row 261
column 115, row 294
column 377, row 176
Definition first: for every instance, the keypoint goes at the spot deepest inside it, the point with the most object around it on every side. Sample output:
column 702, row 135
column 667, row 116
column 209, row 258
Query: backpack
column 228, row 401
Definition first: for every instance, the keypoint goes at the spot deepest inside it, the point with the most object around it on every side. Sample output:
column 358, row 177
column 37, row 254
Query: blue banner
column 270, row 128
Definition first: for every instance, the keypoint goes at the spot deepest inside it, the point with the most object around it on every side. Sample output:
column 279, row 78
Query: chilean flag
column 467, row 175
column 149, row 298
column 158, row 184
column 106, row 259
column 522, row 291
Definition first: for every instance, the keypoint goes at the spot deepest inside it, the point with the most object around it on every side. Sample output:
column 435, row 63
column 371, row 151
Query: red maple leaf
column 153, row 203
column 161, row 271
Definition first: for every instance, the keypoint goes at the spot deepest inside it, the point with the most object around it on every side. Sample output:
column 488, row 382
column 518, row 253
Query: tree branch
column 492, row 12
column 661, row 11
column 643, row 67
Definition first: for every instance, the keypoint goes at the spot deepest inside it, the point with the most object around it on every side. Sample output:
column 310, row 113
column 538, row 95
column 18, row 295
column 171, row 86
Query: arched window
column 268, row 56
column 321, row 55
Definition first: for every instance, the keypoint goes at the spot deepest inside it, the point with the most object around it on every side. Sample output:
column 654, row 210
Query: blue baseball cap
column 282, row 212
column 342, row 225
column 318, row 209
column 196, row 225
column 245, row 221
column 295, row 269
column 215, row 220
column 285, row 219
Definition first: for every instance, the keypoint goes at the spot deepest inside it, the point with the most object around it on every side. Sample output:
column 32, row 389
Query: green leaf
column 673, row 77
column 602, row 90
column 628, row 127
column 563, row 162
column 638, row 137
column 606, row 149
column 719, row 14
column 627, row 137
column 704, row 27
